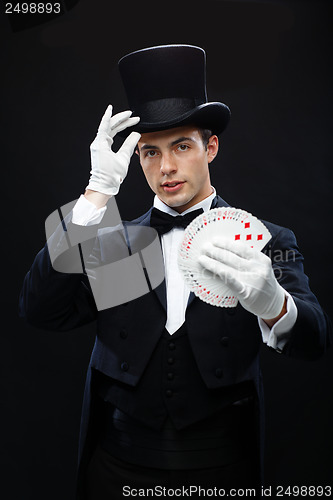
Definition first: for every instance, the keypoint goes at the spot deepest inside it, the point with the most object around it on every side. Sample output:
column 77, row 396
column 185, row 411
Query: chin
column 173, row 203
column 181, row 206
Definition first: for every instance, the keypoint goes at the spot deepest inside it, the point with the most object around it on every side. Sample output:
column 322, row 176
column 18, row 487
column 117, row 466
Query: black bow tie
column 164, row 222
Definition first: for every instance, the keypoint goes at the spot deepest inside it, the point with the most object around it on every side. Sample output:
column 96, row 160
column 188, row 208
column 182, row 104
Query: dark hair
column 205, row 136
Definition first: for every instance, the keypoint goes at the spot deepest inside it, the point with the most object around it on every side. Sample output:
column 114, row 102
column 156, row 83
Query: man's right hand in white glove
column 109, row 169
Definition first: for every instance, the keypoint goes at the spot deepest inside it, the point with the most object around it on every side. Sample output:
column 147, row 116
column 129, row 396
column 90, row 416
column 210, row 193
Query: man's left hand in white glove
column 248, row 273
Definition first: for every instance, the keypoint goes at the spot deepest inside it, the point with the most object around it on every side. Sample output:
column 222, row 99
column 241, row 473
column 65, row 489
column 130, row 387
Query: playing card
column 231, row 223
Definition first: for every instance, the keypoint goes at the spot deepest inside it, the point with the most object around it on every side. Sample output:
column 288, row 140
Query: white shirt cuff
column 86, row 213
column 278, row 335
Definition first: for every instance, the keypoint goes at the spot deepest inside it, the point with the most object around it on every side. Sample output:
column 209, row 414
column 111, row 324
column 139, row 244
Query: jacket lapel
column 160, row 291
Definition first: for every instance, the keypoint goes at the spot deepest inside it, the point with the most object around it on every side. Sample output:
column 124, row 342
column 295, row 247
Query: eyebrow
column 171, row 144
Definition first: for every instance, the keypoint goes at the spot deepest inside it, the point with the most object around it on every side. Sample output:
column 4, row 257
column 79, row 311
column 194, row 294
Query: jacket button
column 169, row 393
column 219, row 372
column 170, row 361
column 123, row 334
column 124, row 366
column 224, row 341
column 172, row 346
column 170, row 376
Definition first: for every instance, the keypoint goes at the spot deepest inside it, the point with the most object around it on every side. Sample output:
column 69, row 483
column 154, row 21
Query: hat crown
column 166, row 88
column 164, row 72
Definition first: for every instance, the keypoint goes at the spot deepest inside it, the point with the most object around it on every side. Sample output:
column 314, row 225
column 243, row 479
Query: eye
column 150, row 154
column 182, row 147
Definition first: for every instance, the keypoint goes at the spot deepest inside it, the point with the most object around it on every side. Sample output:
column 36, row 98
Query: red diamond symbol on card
column 249, row 237
column 247, row 225
column 237, row 236
column 259, row 237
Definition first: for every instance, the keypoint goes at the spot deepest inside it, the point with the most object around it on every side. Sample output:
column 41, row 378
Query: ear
column 212, row 147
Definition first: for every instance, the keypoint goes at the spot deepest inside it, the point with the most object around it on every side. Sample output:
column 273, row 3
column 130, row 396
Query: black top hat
column 166, row 87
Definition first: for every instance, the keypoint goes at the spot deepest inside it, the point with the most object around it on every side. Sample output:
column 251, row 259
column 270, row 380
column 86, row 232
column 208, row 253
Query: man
column 173, row 396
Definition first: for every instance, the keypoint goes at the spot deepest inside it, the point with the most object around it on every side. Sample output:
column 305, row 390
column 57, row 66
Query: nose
column 168, row 164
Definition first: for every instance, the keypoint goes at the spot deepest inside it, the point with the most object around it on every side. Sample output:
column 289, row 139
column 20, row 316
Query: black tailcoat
column 58, row 301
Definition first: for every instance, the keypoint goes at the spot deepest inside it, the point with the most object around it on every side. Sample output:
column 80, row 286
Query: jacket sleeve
column 55, row 300
column 83, row 269
column 311, row 334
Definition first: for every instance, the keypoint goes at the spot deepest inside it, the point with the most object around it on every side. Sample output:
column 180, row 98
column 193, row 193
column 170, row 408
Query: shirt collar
column 204, row 204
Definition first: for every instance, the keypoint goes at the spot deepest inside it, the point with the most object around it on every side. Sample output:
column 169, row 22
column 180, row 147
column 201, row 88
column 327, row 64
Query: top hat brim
column 214, row 116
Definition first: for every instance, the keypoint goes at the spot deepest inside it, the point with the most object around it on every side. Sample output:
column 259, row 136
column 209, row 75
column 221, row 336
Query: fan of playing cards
column 231, row 223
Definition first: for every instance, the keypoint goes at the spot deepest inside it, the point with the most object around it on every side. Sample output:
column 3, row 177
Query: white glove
column 109, row 169
column 248, row 273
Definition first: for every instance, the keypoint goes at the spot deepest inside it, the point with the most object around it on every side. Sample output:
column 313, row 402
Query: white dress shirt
column 85, row 213
column 176, row 289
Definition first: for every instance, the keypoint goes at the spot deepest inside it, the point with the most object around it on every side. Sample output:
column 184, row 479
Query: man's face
column 175, row 163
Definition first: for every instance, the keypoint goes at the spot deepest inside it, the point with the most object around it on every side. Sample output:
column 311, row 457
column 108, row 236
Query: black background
column 270, row 61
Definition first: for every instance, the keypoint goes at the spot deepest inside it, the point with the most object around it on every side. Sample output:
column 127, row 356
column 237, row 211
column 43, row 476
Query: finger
column 129, row 144
column 105, row 121
column 227, row 257
column 119, row 118
column 130, row 122
column 229, row 276
column 237, row 247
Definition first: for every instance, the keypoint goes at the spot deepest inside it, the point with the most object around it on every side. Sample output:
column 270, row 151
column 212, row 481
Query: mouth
column 171, row 187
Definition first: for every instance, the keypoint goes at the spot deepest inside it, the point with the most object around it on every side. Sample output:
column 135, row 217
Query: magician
column 173, row 393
